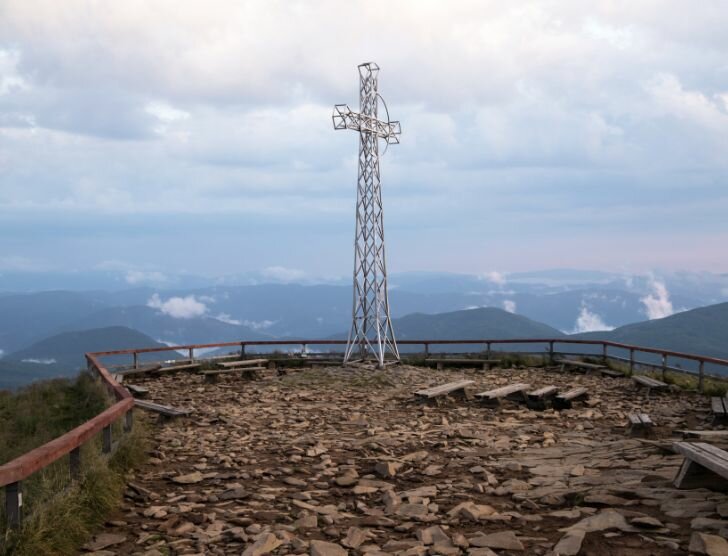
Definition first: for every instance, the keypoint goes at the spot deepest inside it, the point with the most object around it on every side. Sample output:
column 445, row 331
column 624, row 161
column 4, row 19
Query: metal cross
column 371, row 330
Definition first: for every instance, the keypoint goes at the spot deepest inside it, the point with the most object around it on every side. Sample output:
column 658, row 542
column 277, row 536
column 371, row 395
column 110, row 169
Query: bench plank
column 704, row 466
column 516, row 392
column 640, row 424
column 440, row 362
column 243, row 363
column 649, row 383
column 565, row 400
column 503, row 391
column 719, row 406
column 140, row 370
column 248, row 372
column 165, row 410
column 443, row 389
column 184, row 367
column 583, row 364
column 539, row 398
column 137, row 390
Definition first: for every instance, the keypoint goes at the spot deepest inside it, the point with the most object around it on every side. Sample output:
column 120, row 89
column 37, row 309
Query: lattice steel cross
column 371, row 330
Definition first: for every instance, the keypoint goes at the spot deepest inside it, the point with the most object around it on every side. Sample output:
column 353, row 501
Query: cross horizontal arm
column 345, row 118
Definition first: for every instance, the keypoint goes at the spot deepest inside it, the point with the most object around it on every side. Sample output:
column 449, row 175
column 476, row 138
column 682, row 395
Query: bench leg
column 693, row 475
column 639, row 430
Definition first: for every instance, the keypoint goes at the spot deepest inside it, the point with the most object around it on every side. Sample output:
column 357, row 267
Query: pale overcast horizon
column 168, row 137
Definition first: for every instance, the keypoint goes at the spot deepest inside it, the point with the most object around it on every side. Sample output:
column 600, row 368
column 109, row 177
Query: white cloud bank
column 589, row 322
column 495, row 277
column 509, row 305
column 259, row 324
column 657, row 303
column 134, row 277
column 178, row 307
column 283, row 274
column 47, row 361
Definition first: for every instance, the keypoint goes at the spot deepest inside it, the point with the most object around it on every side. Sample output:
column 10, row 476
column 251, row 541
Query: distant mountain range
column 702, row 331
column 425, row 304
column 473, row 324
column 63, row 354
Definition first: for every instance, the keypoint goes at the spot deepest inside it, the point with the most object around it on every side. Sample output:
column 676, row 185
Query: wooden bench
column 705, row 466
column 539, row 398
column 640, row 424
column 176, row 368
column 565, row 400
column 165, row 411
column 250, row 373
column 440, row 362
column 719, row 407
column 243, row 363
column 137, row 391
column 649, row 383
column 515, row 392
column 140, row 370
column 443, row 389
column 590, row 368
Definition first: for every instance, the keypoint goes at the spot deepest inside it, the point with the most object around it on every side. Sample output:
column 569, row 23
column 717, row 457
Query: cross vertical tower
column 371, row 329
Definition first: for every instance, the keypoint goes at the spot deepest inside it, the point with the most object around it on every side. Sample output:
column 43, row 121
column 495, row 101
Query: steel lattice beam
column 371, row 329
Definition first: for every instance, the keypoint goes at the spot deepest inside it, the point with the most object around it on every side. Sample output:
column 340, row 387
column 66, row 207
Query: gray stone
column 711, row 545
column 505, row 540
column 570, row 544
column 323, row 548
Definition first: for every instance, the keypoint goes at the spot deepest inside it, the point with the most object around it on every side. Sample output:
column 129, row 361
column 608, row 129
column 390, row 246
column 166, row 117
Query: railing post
column 631, row 361
column 106, row 439
column 242, row 351
column 604, row 353
column 14, row 505
column 487, row 350
column 303, row 350
column 427, row 350
column 191, row 353
column 136, row 360
column 129, row 420
column 551, row 353
column 74, row 463
column 664, row 367
column 701, row 377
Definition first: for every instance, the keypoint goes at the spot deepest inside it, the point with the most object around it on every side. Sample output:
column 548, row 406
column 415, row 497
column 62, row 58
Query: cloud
column 657, row 303
column 178, row 307
column 589, row 322
column 509, row 305
column 44, row 361
column 147, row 112
column 227, row 319
column 283, row 274
column 259, row 325
column 134, row 277
column 495, row 277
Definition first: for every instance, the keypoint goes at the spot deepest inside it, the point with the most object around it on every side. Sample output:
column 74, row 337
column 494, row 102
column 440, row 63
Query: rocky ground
column 332, row 461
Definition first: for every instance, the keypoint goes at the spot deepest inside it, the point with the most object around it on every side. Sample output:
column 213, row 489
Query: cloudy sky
column 172, row 136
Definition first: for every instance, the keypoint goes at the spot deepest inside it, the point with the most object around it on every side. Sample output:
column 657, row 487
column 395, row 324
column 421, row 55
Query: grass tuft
column 60, row 515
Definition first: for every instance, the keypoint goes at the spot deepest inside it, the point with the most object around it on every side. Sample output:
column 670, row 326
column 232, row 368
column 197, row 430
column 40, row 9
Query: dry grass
column 60, row 515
